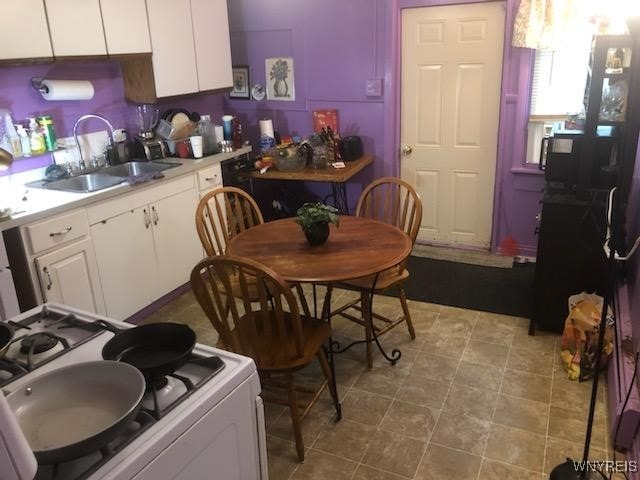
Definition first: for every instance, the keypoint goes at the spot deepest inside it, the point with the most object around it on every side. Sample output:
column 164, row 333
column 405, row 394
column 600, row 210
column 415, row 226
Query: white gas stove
column 208, row 417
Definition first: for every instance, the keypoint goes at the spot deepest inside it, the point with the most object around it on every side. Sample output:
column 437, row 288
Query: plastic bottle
column 206, row 129
column 25, row 142
column 37, row 139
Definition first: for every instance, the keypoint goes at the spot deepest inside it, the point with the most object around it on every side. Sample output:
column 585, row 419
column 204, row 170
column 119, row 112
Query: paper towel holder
column 37, row 83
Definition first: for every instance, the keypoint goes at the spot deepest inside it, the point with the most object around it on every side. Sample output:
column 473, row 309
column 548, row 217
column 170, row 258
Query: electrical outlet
column 373, row 87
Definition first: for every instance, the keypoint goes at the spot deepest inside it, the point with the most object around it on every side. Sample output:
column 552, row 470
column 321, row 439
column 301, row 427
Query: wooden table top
column 359, row 247
column 329, row 174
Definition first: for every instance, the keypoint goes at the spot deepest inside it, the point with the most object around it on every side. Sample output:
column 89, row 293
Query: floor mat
column 490, row 289
column 459, row 255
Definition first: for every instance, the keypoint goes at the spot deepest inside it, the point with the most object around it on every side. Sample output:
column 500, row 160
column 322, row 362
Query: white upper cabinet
column 75, row 27
column 174, row 58
column 24, row 33
column 212, row 43
column 126, row 29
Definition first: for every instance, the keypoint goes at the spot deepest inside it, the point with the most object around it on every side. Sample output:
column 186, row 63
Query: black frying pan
column 6, row 335
column 156, row 349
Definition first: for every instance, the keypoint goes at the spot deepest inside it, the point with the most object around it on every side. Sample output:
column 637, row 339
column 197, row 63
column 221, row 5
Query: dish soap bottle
column 37, row 139
column 25, row 141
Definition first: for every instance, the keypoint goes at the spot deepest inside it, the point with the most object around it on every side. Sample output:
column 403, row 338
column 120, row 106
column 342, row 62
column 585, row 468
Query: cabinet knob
column 61, row 232
column 156, row 218
column 45, row 270
column 147, row 219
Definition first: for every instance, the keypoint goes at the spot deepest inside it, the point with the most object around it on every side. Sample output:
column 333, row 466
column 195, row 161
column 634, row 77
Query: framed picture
column 240, row 82
column 280, row 79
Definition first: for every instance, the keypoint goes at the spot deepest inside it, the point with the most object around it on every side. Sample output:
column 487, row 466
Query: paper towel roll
column 66, row 90
column 266, row 128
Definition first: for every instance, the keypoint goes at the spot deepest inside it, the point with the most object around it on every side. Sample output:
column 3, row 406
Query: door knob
column 406, row 150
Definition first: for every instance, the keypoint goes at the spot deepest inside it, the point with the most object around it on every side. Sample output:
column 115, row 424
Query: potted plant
column 314, row 218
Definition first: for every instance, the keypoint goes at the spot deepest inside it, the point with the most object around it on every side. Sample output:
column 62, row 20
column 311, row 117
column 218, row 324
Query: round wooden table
column 357, row 248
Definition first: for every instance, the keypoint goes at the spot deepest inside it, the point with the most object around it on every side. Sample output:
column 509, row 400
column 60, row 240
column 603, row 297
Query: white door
column 125, row 32
column 174, row 56
column 124, row 248
column 212, row 43
column 69, row 275
column 451, row 77
column 75, row 27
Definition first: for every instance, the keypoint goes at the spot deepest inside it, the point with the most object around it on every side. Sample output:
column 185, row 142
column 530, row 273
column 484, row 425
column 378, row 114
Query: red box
column 322, row 118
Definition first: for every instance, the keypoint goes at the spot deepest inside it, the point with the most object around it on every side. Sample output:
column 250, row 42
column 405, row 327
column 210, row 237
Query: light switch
column 373, row 87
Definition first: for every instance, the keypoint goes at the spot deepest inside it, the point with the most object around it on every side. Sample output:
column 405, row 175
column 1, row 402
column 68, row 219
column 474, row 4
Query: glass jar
column 320, row 159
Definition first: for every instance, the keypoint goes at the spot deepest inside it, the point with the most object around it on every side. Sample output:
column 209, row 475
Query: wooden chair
column 393, row 201
column 269, row 330
column 222, row 214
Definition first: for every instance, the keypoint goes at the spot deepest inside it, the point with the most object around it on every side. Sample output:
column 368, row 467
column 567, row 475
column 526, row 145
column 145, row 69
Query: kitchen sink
column 132, row 169
column 89, row 182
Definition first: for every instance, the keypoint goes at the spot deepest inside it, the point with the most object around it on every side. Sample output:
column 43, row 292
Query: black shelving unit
column 572, row 229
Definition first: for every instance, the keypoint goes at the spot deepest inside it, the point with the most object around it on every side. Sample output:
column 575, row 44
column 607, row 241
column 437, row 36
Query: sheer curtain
column 550, row 24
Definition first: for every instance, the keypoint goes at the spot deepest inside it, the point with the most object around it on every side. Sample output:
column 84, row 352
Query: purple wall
column 336, row 47
column 17, row 95
column 335, row 53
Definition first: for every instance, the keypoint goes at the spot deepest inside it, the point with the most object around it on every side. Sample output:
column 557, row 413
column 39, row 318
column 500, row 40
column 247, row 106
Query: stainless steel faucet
column 110, row 139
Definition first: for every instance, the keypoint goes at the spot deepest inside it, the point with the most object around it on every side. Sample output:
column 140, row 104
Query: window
column 557, row 92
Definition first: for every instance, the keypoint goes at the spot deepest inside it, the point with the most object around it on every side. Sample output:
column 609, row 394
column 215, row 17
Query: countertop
column 41, row 203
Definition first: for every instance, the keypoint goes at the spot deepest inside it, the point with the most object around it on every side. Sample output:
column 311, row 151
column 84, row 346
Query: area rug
column 491, row 289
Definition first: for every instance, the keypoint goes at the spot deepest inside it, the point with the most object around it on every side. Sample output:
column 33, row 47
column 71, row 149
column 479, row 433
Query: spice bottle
column 37, row 139
column 25, row 142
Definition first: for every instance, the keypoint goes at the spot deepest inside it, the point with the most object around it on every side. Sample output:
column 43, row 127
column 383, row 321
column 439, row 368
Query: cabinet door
column 76, row 27
column 69, row 275
column 126, row 29
column 124, row 249
column 28, row 38
column 212, row 43
column 174, row 58
column 176, row 239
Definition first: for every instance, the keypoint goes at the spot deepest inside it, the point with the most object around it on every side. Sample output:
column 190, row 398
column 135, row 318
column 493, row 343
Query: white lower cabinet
column 145, row 252
column 69, row 275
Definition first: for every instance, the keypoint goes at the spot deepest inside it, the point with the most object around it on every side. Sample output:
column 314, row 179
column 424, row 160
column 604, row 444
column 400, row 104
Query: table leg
column 326, row 313
column 339, row 193
column 367, row 311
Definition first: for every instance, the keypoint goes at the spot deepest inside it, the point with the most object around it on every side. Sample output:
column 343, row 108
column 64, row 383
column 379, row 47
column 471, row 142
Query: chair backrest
column 222, row 214
column 393, row 201
column 267, row 327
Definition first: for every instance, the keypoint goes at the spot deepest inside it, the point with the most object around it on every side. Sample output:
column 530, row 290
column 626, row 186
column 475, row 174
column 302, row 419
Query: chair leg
column 295, row 417
column 405, row 311
column 368, row 326
column 329, row 374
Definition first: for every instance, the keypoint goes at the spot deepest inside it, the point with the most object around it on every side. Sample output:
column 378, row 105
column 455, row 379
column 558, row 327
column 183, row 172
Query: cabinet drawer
column 56, row 231
column 209, row 177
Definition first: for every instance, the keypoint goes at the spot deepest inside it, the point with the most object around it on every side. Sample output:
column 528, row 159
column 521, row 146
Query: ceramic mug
column 183, row 149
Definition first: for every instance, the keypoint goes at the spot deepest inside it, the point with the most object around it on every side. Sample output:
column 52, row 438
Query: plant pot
column 317, row 233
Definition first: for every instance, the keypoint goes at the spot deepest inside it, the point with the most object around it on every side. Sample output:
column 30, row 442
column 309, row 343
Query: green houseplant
column 314, row 218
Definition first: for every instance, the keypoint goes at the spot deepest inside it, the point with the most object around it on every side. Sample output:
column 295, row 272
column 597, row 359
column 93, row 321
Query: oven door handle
column 262, row 439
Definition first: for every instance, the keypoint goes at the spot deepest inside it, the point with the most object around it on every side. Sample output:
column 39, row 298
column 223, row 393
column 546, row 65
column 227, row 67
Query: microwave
column 560, row 160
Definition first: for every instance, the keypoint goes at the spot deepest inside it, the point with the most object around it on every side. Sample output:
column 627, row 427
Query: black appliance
column 561, row 158
column 236, row 172
column 350, row 148
column 148, row 148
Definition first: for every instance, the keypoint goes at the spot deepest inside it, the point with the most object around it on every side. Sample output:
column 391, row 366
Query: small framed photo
column 241, row 87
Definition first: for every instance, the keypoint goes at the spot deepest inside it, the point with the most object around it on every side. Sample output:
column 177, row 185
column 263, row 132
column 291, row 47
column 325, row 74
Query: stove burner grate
column 37, row 343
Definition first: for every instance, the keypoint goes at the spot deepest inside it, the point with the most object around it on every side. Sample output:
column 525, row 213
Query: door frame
column 392, row 99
